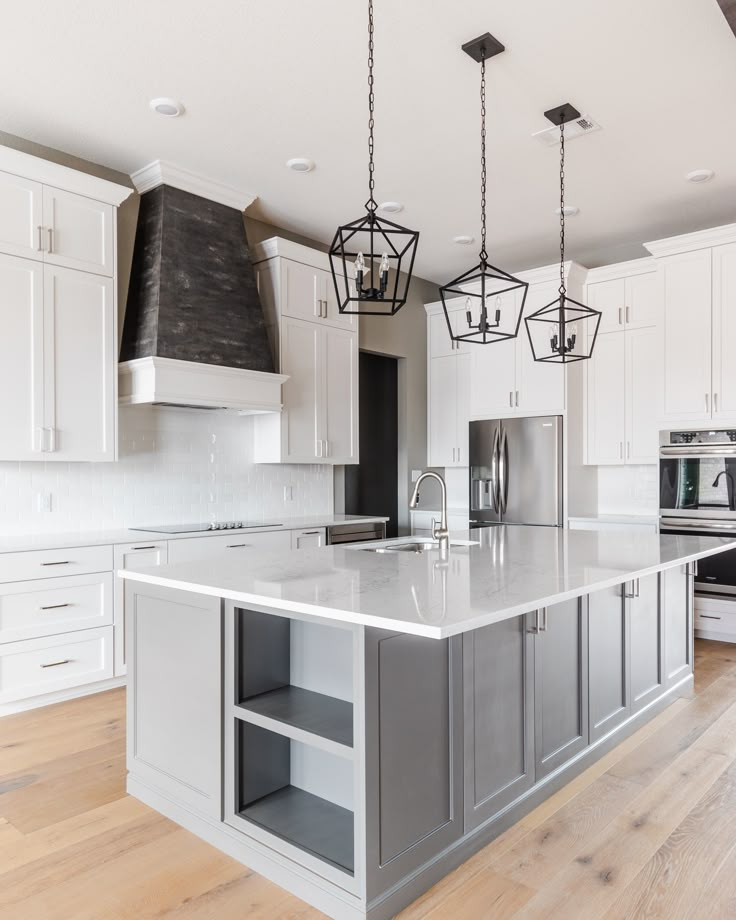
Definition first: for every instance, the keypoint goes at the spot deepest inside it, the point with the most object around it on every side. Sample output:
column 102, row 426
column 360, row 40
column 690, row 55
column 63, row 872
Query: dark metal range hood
column 194, row 332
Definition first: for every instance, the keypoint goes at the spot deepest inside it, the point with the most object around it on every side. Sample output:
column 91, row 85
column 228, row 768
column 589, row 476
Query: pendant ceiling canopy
column 372, row 259
column 564, row 330
column 492, row 300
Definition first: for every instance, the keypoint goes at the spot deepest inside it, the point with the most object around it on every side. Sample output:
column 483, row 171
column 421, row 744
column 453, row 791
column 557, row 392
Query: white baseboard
column 60, row 696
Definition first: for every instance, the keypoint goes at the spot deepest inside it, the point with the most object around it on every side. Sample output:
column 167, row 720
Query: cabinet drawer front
column 239, row 541
column 715, row 615
column 53, row 563
column 53, row 606
column 45, row 665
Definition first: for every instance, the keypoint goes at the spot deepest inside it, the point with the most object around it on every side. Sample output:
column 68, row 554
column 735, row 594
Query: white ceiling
column 265, row 81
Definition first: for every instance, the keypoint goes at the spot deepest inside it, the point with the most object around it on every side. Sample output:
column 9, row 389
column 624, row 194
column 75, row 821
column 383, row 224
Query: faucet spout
column 439, row 531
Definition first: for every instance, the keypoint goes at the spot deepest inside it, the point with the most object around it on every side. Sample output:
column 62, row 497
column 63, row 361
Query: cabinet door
column 440, row 342
column 493, row 380
column 610, row 298
column 308, row 539
column 413, row 732
column 79, row 232
column 339, row 363
column 79, row 341
column 643, row 395
column 540, row 387
column 325, row 287
column 605, row 411
column 647, row 642
column 724, row 332
column 442, row 411
column 143, row 553
column 21, row 220
column 21, row 359
column 498, row 688
column 462, row 407
column 608, row 643
column 561, row 686
column 677, row 601
column 642, row 301
column 302, row 392
column 686, row 343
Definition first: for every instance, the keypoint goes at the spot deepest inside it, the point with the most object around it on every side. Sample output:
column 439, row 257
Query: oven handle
column 695, row 452
column 689, row 524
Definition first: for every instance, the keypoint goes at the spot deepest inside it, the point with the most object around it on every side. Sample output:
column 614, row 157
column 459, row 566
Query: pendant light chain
column 483, row 254
column 563, row 287
column 371, row 203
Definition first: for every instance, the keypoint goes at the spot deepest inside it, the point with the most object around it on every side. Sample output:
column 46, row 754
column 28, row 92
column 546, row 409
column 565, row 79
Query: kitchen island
column 355, row 722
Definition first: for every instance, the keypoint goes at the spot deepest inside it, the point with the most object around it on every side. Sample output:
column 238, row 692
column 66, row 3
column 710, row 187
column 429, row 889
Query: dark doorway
column 372, row 486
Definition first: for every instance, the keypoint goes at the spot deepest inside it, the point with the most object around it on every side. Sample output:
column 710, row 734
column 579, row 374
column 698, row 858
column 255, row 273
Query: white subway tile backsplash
column 628, row 489
column 175, row 465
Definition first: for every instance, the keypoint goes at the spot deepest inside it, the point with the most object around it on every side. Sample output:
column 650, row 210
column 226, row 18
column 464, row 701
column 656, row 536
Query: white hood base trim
column 168, row 381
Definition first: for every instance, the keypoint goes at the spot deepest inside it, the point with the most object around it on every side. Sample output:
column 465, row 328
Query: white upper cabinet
column 79, row 339
column 21, row 359
column 78, row 232
column 447, row 421
column 317, row 347
column 686, row 336
column 440, row 342
column 21, row 220
column 642, row 301
column 540, row 386
column 630, row 301
column 492, row 379
column 606, row 377
column 724, row 332
column 609, row 298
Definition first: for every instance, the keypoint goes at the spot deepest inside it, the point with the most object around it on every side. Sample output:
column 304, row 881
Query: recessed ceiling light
column 171, row 108
column 391, row 207
column 463, row 240
column 700, row 175
column 300, row 164
column 570, row 211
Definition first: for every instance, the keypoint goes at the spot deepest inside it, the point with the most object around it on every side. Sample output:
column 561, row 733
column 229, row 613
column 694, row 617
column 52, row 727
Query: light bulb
column 359, row 272
column 383, row 269
column 360, row 263
column 468, row 312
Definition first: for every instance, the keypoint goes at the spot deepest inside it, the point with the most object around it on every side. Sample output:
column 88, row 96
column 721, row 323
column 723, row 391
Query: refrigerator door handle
column 495, row 489
column 503, row 464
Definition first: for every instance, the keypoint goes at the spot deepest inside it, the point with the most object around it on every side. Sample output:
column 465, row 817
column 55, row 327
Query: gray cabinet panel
column 608, row 642
column 561, row 686
column 647, row 642
column 498, row 689
column 677, row 599
column 413, row 752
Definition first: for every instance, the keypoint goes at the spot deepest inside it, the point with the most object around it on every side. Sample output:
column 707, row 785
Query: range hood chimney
column 194, row 332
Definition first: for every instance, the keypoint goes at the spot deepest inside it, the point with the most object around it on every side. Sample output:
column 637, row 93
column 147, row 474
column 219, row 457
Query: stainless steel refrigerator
column 516, row 471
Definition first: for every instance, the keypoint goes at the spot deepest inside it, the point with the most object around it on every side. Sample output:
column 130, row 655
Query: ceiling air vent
column 580, row 126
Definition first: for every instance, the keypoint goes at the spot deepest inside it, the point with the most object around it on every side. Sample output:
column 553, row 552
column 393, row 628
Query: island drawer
column 715, row 615
column 53, row 563
column 31, row 609
column 53, row 663
column 220, row 546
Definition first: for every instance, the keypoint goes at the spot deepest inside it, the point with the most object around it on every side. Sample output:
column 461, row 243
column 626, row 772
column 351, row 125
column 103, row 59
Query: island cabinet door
column 498, row 692
column 677, row 601
column 413, row 743
column 647, row 641
column 560, row 685
column 174, row 710
column 608, row 642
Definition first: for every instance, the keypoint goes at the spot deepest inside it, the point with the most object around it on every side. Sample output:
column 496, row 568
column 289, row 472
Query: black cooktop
column 199, row 528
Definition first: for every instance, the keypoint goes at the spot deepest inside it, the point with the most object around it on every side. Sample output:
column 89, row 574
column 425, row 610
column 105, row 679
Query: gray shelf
column 307, row 821
column 315, row 713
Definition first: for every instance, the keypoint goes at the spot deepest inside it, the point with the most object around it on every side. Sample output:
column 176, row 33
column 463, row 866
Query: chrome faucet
column 439, row 531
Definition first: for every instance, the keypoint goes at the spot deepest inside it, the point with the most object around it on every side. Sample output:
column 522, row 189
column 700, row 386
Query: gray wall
column 404, row 336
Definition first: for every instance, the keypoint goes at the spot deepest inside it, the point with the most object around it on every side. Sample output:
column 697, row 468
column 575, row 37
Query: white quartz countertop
column 509, row 571
column 617, row 518
column 36, row 541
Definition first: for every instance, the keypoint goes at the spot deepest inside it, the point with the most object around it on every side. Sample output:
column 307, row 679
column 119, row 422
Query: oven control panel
column 702, row 437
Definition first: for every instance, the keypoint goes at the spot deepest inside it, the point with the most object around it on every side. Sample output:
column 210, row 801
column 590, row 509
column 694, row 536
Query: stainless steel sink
column 412, row 546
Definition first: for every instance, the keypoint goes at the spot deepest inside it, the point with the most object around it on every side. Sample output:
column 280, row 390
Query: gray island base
column 355, row 765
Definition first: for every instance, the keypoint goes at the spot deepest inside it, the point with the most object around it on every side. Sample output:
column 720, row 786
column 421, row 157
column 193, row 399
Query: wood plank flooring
column 647, row 832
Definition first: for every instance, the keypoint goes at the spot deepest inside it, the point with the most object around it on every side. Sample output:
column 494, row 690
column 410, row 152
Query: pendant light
column 564, row 330
column 380, row 251
column 487, row 316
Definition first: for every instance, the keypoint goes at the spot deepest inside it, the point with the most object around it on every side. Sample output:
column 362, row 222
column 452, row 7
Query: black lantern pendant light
column 381, row 252
column 564, row 330
column 488, row 316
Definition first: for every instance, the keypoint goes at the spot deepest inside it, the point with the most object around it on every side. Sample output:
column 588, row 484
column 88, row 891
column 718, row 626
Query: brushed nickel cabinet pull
column 237, row 545
column 310, row 533
column 51, row 239
column 55, row 664
column 707, row 616
column 65, row 562
column 144, row 547
column 55, row 606
column 628, row 314
column 620, row 315
column 39, row 247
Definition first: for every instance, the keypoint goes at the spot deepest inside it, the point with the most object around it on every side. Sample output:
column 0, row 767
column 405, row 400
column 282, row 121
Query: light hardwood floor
column 647, row 832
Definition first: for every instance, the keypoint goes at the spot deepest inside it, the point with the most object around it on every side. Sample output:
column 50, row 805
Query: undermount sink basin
column 413, row 546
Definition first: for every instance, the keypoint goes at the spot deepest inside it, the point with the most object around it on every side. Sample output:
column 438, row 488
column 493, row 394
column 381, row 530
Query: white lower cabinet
column 308, row 539
column 133, row 554
column 193, row 548
column 52, row 663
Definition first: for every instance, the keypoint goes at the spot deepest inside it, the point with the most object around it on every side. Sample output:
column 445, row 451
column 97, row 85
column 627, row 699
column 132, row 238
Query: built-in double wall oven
column 697, row 495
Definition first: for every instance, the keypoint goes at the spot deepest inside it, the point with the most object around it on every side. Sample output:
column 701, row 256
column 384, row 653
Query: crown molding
column 161, row 172
column 574, row 272
column 687, row 242
column 277, row 247
column 28, row 166
column 622, row 270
